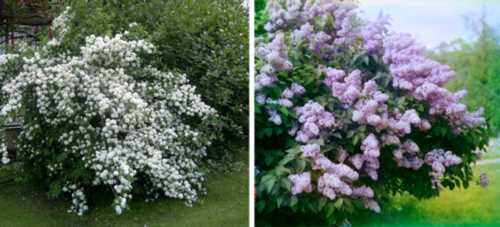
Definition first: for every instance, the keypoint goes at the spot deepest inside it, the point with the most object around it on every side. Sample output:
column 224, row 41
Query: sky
column 433, row 21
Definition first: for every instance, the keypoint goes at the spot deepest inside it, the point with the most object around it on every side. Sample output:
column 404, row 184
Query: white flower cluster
column 60, row 26
column 78, row 201
column 7, row 66
column 122, row 120
column 4, row 154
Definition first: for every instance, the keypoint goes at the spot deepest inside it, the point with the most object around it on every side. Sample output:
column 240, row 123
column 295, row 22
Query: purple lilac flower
column 275, row 55
column 407, row 155
column 313, row 119
column 346, row 88
column 285, row 102
column 298, row 89
column 301, row 14
column 400, row 124
column 274, row 117
column 293, row 130
column 303, row 34
column 424, row 79
column 342, row 155
column 301, row 182
column 363, row 192
column 260, row 98
column 370, row 146
column 311, row 150
column 283, row 15
column 287, row 94
column 439, row 159
column 390, row 139
column 330, row 185
column 373, row 34
column 368, row 164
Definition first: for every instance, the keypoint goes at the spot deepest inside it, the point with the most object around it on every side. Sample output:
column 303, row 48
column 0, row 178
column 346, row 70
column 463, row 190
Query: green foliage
column 207, row 40
column 260, row 17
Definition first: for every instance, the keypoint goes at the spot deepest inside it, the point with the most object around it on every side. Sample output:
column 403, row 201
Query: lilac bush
column 349, row 112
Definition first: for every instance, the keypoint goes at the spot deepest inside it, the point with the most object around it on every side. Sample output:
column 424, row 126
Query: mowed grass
column 226, row 204
column 475, row 206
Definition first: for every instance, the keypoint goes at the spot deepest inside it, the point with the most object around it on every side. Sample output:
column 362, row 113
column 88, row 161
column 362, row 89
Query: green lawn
column 475, row 206
column 226, row 204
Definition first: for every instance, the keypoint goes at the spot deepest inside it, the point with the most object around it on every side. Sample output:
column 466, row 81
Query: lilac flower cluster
column 330, row 185
column 313, row 119
column 401, row 124
column 407, row 155
column 373, row 110
column 301, row 182
column 294, row 90
column 366, row 194
column 373, row 34
column 276, row 58
column 424, row 79
column 291, row 13
column 274, row 116
column 439, row 159
column 281, row 16
column 336, row 180
column 321, row 162
column 301, row 18
column 368, row 161
column 289, row 93
column 346, row 88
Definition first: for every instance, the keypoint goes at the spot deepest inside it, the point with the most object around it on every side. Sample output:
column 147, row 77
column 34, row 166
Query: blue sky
column 433, row 21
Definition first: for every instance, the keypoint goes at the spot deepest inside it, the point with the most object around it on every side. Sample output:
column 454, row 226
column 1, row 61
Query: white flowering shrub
column 104, row 118
column 349, row 112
